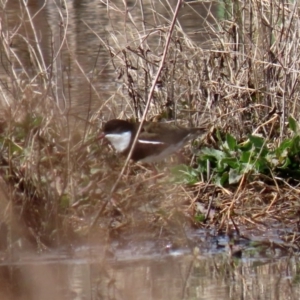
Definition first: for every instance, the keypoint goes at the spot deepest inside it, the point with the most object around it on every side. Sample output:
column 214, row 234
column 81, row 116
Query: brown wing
column 170, row 133
column 157, row 137
column 143, row 150
column 163, row 132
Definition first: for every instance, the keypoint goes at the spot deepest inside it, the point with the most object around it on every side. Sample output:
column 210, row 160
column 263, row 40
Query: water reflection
column 165, row 277
column 76, row 39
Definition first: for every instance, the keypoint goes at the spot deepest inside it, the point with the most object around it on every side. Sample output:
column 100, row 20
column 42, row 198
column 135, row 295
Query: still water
column 78, row 34
column 86, row 275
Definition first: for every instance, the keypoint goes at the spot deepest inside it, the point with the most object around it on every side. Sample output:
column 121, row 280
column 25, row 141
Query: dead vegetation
column 59, row 177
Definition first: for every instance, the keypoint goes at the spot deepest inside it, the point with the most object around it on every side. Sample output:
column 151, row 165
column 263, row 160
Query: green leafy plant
column 233, row 160
column 287, row 156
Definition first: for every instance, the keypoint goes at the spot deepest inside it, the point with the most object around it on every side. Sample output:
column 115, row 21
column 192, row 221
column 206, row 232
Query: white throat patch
column 120, row 141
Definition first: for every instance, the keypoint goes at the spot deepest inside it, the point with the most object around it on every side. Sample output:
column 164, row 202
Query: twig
column 145, row 111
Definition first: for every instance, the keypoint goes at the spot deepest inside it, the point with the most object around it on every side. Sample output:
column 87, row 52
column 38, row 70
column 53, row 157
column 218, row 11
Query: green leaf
column 286, row 164
column 245, row 157
column 246, row 168
column 293, row 124
column 232, row 162
column 295, row 145
column 282, row 150
column 261, row 165
column 246, row 146
column 234, row 176
column 231, row 142
column 221, row 180
column 257, row 141
column 184, row 174
column 264, row 152
column 218, row 134
column 212, row 153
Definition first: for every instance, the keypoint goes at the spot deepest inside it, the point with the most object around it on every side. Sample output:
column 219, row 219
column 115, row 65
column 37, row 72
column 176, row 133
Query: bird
column 156, row 140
